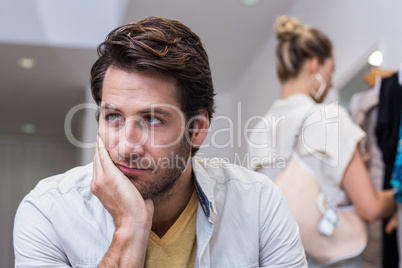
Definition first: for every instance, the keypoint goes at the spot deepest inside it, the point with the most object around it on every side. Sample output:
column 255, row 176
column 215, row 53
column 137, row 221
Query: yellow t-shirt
column 177, row 248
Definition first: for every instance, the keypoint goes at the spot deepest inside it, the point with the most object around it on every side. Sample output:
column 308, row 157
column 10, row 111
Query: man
column 146, row 200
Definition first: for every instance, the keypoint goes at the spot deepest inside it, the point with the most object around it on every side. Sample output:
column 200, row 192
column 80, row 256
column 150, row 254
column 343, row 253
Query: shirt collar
column 204, row 186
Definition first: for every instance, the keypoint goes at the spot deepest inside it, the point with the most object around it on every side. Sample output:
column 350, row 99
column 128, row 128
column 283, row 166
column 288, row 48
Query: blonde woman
column 331, row 141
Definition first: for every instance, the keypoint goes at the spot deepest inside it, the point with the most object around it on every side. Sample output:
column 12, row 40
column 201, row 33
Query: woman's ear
column 313, row 65
column 200, row 128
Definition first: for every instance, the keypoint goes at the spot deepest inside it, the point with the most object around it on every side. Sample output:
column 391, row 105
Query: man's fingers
column 97, row 171
column 150, row 206
column 97, row 165
column 104, row 158
column 105, row 162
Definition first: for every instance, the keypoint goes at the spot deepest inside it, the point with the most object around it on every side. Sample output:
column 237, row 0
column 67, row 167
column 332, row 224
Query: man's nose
column 132, row 138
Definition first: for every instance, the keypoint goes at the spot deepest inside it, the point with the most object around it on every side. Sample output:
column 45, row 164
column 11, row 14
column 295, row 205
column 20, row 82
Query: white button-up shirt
column 242, row 221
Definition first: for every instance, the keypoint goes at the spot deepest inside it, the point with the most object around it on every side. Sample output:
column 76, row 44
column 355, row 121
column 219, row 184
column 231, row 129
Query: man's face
column 143, row 127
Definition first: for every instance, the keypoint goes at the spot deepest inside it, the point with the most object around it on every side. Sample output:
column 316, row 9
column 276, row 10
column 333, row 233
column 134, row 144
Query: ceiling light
column 26, row 63
column 375, row 58
column 28, row 128
column 250, row 2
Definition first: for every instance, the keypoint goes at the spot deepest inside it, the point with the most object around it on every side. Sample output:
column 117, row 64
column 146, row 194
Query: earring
column 317, row 93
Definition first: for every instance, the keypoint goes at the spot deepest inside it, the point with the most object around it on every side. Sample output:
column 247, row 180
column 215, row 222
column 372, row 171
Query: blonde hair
column 296, row 44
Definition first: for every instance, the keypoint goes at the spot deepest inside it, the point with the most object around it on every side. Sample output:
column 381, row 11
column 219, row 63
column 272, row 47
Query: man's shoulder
column 221, row 171
column 75, row 178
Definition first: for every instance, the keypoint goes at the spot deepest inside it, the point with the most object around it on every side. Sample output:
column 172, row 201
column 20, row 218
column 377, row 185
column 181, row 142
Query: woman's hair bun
column 287, row 28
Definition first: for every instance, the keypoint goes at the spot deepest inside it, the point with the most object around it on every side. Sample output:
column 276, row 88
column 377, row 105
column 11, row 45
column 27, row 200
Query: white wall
column 60, row 23
column 356, row 27
column 89, row 129
column 222, row 137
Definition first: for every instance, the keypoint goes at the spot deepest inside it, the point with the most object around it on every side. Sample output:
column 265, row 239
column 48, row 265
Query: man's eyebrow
column 110, row 107
column 155, row 110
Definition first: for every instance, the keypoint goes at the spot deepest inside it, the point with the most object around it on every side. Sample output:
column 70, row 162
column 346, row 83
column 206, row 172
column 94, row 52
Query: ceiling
column 62, row 37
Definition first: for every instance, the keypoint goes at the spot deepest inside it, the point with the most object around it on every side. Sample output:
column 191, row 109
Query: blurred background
column 47, row 122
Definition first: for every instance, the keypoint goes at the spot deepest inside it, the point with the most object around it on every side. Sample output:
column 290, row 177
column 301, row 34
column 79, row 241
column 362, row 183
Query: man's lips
column 126, row 169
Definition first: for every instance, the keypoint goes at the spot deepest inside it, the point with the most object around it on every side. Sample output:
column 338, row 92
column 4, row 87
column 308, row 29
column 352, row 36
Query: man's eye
column 152, row 120
column 114, row 118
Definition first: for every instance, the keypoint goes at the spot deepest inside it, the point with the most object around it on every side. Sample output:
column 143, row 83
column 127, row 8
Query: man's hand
column 132, row 214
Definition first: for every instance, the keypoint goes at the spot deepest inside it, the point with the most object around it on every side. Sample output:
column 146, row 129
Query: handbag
column 329, row 234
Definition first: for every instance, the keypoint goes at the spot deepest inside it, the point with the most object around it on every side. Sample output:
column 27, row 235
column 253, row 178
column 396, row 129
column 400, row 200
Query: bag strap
column 330, row 217
column 298, row 131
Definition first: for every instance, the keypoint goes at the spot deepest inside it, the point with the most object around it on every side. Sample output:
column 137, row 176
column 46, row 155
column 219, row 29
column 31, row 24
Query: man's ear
column 200, row 128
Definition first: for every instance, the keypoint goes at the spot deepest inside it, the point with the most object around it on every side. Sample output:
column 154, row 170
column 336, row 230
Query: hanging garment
column 364, row 112
column 396, row 180
column 387, row 131
column 389, row 118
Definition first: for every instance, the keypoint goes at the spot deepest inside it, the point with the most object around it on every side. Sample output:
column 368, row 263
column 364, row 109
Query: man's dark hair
column 160, row 45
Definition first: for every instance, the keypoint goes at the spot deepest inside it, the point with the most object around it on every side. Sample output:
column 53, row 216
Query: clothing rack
column 370, row 77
